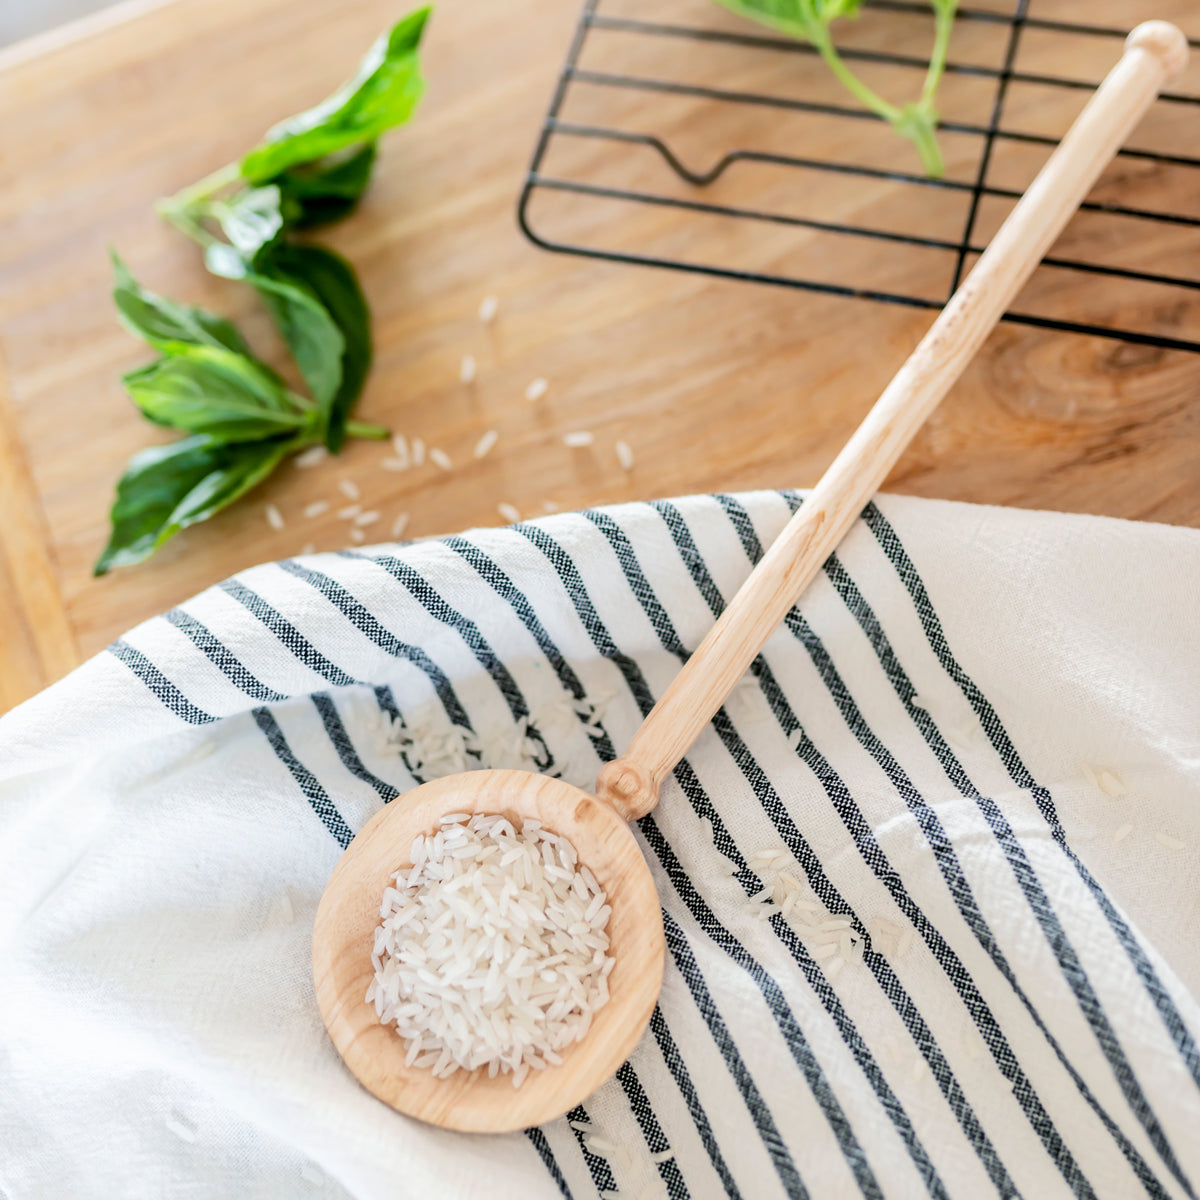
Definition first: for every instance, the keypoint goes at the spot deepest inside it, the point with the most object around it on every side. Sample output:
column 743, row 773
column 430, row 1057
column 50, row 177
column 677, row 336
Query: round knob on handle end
column 1165, row 41
column 628, row 787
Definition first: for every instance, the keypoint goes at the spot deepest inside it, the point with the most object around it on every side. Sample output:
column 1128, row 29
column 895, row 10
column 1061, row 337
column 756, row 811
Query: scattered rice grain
column 1122, row 832
column 1171, row 843
column 485, row 443
column 311, row 456
column 466, row 369
column 308, row 548
column 440, row 458
column 367, row 518
column 488, row 307
column 316, row 508
column 349, row 512
column 624, row 455
column 418, row 452
column 579, row 439
column 537, row 389
column 399, row 525
column 349, row 489
column 1110, row 783
column 274, row 517
column 509, row 512
column 357, row 535
column 182, row 1128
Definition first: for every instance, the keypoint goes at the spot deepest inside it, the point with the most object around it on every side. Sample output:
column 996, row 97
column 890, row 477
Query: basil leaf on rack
column 332, row 280
column 253, row 220
column 208, row 390
column 160, row 321
column 167, row 488
column 383, row 93
column 311, row 333
column 317, row 193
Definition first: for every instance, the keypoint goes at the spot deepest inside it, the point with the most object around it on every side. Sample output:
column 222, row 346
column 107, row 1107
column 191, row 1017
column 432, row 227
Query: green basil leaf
column 332, row 280
column 311, row 333
column 253, row 220
column 167, row 488
column 204, row 389
column 160, row 321
column 383, row 93
column 317, row 193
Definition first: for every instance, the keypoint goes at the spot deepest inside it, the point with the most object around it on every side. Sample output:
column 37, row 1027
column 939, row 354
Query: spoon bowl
column 343, row 938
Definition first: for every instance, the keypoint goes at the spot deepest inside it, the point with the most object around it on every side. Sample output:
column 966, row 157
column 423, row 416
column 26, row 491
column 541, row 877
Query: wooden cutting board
column 716, row 385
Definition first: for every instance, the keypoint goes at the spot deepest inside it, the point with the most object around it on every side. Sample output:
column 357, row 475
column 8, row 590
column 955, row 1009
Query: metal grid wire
column 1009, row 26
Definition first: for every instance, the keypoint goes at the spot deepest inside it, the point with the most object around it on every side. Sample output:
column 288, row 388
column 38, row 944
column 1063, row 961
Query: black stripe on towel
column 864, row 839
column 362, row 620
column 538, row 1138
column 507, row 590
column 220, row 656
column 287, row 633
column 828, row 894
column 792, row 1035
column 657, row 615
column 345, row 747
column 1035, row 894
column 306, row 781
column 158, row 684
column 1003, row 744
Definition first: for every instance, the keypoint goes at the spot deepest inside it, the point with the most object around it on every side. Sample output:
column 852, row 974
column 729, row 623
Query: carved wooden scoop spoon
column 628, row 788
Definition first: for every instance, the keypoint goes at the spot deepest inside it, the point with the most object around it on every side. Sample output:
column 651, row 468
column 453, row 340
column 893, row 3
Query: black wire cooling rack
column 1168, row 301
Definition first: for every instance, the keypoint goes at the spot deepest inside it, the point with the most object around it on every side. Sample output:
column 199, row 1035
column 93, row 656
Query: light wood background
column 715, row 384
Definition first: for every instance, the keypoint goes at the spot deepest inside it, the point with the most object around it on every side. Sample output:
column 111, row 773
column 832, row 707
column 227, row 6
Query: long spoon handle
column 1154, row 53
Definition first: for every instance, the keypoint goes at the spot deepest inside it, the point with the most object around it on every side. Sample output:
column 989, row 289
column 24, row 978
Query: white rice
column 311, row 1174
column 418, row 452
column 317, row 508
column 394, row 464
column 466, row 368
column 274, row 517
column 490, row 960
column 582, row 438
column 399, row 525
column 357, row 535
column 308, row 548
column 367, row 518
column 349, row 489
column 182, row 1128
column 624, row 455
column 1122, row 832
column 549, row 506
column 440, row 458
column 349, row 512
column 509, row 512
column 537, row 389
column 488, row 307
column 485, row 443
column 311, row 456
column 1110, row 783
column 1171, row 843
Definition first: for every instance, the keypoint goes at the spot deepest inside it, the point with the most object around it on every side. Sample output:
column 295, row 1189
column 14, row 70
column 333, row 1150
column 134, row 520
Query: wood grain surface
column 714, row 384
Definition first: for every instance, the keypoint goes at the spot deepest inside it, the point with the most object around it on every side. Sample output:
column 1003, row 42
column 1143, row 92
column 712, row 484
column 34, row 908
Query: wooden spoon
column 628, row 788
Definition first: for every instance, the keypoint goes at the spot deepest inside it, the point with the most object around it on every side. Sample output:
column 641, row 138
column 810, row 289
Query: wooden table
column 714, row 384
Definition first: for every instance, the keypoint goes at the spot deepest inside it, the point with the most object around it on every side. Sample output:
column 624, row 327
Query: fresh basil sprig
column 809, row 20
column 241, row 418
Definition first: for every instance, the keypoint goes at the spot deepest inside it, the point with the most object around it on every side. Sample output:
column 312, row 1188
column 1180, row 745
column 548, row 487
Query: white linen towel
column 929, row 881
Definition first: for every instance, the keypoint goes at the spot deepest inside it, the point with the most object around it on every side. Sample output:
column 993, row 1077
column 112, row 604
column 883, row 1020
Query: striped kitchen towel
column 929, row 880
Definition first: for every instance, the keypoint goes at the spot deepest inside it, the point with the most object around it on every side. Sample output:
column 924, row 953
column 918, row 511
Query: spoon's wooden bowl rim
column 343, row 936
